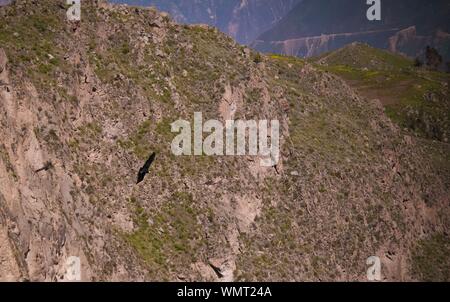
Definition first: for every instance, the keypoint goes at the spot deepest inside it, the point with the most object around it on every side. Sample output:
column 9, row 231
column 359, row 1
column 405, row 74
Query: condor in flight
column 144, row 170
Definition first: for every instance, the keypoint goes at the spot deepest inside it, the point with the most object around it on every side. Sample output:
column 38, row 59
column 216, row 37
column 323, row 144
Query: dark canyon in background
column 244, row 20
column 311, row 27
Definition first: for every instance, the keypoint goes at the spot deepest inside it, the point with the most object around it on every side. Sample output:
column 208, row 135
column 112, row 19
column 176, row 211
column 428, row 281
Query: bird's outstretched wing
column 149, row 161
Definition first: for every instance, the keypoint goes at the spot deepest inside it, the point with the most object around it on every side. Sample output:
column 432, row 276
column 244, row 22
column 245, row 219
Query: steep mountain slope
column 314, row 27
column 244, row 20
column 94, row 98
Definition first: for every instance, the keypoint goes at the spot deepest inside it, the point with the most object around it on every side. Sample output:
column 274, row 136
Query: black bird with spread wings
column 144, row 170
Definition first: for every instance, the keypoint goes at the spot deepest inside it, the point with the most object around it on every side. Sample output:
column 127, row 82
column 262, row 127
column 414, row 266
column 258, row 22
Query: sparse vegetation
column 418, row 62
column 433, row 58
column 170, row 238
column 4, row 157
column 431, row 259
column 257, row 58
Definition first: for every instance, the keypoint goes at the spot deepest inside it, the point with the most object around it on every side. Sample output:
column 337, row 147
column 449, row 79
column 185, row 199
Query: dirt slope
column 95, row 98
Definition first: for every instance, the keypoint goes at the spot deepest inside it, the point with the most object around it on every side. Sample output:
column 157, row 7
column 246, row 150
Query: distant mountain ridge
column 317, row 26
column 244, row 20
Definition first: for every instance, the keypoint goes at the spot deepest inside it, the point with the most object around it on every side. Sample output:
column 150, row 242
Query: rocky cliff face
column 94, row 98
column 244, row 20
column 315, row 27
